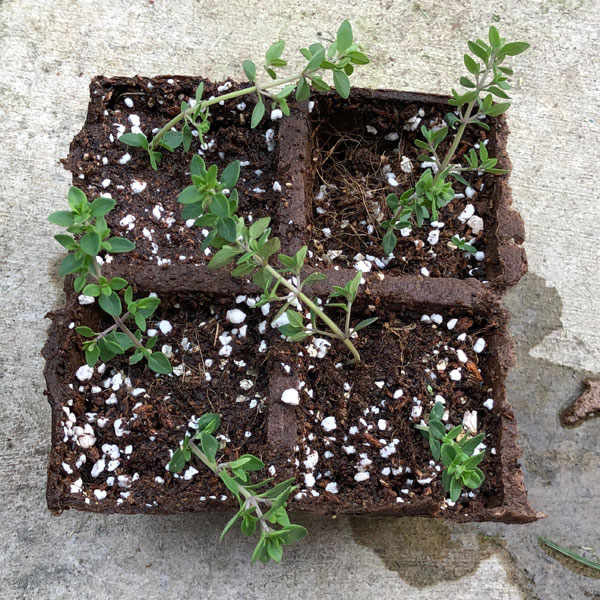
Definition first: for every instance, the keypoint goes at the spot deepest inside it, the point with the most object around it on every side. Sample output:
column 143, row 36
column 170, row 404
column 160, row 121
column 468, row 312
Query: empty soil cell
column 350, row 443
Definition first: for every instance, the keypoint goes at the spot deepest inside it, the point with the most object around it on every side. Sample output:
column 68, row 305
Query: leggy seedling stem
column 118, row 321
column 254, row 249
column 337, row 332
column 276, row 530
column 341, row 58
column 465, row 119
column 206, row 103
column 251, row 499
column 434, row 191
column 263, row 263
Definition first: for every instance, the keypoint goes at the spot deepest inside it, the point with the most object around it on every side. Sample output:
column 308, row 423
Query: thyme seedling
column 252, row 249
column 461, row 244
column 487, row 78
column 455, row 448
column 88, row 235
column 340, row 58
column 264, row 511
column 206, row 201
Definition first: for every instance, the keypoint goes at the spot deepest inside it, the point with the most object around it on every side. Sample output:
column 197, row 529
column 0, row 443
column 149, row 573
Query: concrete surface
column 51, row 48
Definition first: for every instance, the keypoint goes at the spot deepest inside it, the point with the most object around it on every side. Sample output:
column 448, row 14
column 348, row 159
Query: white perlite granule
column 290, row 396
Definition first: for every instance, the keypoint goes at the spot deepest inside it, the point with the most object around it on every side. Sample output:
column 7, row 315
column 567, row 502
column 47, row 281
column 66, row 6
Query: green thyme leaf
column 341, row 83
column 159, row 363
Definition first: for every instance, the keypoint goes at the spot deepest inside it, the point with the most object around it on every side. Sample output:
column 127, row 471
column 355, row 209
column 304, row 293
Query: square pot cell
column 353, row 436
column 147, row 211
column 115, row 426
column 362, row 150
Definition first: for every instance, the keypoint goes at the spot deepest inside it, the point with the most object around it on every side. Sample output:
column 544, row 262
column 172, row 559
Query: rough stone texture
column 52, row 49
column 584, row 407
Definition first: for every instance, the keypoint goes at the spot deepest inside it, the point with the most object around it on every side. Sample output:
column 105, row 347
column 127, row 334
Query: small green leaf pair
column 482, row 163
column 270, row 546
column 423, row 201
column 139, row 140
column 294, row 264
column 349, row 292
column 431, row 195
column 253, row 246
column 340, row 57
column 141, row 309
column 104, row 348
column 206, row 192
column 294, row 330
column 433, row 138
column 104, row 286
column 206, row 424
column 460, row 464
column 170, row 140
column 461, row 244
column 280, row 99
column 273, row 58
column 196, row 118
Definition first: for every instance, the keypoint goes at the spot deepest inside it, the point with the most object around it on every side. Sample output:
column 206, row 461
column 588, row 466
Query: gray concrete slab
column 51, row 48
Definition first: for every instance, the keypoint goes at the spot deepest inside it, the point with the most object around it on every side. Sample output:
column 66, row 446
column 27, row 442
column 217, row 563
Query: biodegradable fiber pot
column 350, row 440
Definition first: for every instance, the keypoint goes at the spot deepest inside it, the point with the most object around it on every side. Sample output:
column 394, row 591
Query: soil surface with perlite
column 327, row 190
column 344, row 431
column 147, row 210
column 362, row 153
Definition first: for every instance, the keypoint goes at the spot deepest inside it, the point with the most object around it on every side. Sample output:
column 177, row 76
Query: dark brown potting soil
column 152, row 217
column 351, row 154
column 242, row 371
column 406, row 366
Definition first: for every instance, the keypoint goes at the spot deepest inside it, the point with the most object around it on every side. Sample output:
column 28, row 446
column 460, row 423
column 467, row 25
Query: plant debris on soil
column 362, row 153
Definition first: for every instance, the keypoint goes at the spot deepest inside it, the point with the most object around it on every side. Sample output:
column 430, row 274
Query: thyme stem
column 338, row 333
column 206, row 103
column 118, row 321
